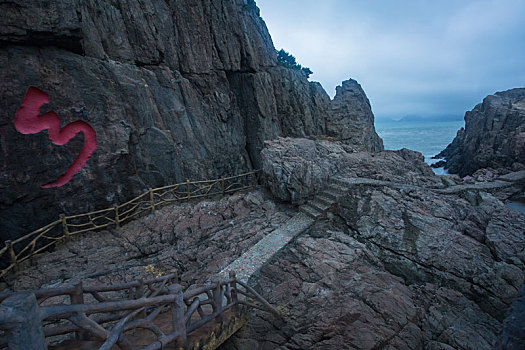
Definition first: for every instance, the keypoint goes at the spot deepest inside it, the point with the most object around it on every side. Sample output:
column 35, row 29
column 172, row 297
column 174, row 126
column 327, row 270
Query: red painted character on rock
column 28, row 121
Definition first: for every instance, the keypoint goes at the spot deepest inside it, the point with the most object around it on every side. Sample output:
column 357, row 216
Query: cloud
column 410, row 57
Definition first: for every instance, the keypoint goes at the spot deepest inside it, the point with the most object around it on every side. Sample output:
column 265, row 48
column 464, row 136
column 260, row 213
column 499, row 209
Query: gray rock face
column 424, row 237
column 296, row 169
column 336, row 294
column 494, row 135
column 351, row 118
column 174, row 90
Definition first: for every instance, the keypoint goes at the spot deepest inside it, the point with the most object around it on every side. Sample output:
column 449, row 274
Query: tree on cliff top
column 287, row 60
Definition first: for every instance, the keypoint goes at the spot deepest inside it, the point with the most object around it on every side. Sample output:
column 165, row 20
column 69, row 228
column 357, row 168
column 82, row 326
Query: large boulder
column 295, row 169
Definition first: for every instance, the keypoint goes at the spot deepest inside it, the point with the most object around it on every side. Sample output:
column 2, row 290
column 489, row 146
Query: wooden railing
column 40, row 240
column 26, row 321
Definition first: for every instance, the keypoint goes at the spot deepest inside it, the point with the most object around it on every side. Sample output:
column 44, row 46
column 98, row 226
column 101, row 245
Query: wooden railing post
column 117, row 219
column 64, row 226
column 222, row 185
column 217, row 297
column 139, row 293
column 77, row 297
column 233, row 287
column 177, row 314
column 188, row 188
column 11, row 252
column 19, row 316
column 139, row 290
column 152, row 200
column 175, row 278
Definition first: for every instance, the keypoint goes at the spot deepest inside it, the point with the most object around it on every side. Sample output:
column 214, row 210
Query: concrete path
column 501, row 182
column 253, row 259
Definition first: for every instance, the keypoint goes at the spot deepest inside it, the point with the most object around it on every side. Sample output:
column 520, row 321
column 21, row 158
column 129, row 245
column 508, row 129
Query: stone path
column 339, row 186
column 253, row 259
column 501, row 182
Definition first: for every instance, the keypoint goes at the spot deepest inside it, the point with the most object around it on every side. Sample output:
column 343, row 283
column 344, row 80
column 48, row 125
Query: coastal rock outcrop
column 174, row 90
column 405, row 260
column 351, row 119
column 493, row 137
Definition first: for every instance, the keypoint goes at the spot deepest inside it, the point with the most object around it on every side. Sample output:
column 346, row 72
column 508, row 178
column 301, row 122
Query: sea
column 427, row 137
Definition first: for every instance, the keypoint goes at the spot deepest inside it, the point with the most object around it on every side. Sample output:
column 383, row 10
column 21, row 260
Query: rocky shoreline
column 405, row 259
column 493, row 137
column 427, row 263
column 400, row 259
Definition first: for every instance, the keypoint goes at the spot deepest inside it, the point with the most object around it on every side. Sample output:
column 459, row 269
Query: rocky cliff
column 494, row 135
column 174, row 90
column 351, row 119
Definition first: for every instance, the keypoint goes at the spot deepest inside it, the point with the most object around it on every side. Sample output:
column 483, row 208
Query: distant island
column 419, row 119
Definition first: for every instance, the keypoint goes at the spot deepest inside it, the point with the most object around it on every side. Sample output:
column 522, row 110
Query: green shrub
column 287, row 60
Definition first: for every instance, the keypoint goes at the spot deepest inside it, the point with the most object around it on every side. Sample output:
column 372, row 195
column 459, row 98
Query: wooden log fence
column 114, row 322
column 41, row 240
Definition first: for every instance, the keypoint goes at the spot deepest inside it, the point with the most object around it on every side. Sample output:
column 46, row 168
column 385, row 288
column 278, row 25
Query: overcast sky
column 411, row 57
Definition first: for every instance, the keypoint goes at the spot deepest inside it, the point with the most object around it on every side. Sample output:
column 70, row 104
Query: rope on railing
column 188, row 311
column 19, row 250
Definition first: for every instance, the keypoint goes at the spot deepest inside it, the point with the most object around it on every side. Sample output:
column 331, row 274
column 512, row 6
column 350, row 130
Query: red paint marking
column 28, row 121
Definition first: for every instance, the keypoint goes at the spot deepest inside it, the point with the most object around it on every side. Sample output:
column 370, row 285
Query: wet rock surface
column 493, row 137
column 513, row 336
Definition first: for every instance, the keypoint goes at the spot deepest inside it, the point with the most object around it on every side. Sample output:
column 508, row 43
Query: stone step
column 324, row 199
column 337, row 187
column 322, row 207
column 312, row 212
column 332, row 194
column 341, row 182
